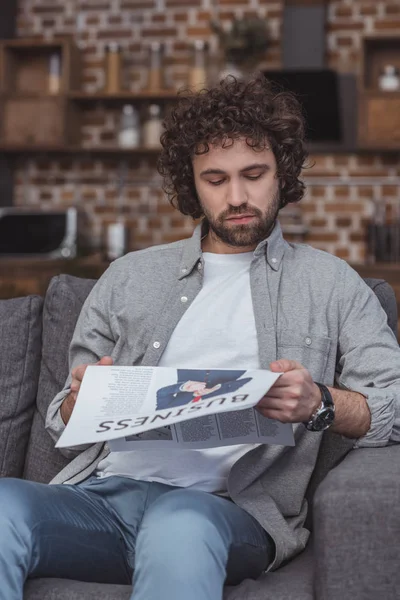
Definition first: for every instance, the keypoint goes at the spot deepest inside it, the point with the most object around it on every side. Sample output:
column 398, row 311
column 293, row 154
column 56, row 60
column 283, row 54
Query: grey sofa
column 354, row 495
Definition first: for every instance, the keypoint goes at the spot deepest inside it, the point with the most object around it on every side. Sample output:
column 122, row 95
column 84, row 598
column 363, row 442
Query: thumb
column 283, row 365
column 105, row 361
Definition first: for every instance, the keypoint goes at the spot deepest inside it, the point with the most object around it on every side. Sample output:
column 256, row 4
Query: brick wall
column 336, row 214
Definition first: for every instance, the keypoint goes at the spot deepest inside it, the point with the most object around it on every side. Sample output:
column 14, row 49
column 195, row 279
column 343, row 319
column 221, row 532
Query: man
column 181, row 523
column 189, row 388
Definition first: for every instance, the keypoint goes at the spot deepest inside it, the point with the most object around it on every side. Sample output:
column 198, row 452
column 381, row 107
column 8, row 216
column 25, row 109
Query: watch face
column 324, row 419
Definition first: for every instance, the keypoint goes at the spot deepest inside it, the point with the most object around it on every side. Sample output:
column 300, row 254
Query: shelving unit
column 379, row 114
column 35, row 121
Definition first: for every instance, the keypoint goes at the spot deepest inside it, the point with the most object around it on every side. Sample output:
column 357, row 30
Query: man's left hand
column 294, row 397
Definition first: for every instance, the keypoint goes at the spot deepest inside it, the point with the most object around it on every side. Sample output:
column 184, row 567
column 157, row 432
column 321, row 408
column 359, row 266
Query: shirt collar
column 191, row 254
column 272, row 247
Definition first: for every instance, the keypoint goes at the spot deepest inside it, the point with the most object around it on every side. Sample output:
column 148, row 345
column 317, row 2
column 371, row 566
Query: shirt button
column 156, row 345
column 184, row 270
column 199, row 266
column 184, row 299
column 274, row 260
column 308, row 341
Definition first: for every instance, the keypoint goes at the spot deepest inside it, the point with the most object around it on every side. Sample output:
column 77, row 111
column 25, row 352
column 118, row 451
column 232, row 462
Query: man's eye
column 253, row 177
column 217, row 182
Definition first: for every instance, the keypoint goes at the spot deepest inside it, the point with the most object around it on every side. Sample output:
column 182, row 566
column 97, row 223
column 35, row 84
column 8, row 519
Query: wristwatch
column 324, row 416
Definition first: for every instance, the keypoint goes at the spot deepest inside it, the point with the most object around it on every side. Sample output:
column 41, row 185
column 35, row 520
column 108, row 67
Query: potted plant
column 243, row 44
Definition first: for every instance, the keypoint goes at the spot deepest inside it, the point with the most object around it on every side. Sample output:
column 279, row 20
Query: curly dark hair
column 255, row 110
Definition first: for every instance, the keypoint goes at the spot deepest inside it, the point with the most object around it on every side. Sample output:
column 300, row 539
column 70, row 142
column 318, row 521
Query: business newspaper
column 158, row 407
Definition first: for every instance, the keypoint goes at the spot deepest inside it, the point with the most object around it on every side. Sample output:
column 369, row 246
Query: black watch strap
column 326, row 396
column 323, row 417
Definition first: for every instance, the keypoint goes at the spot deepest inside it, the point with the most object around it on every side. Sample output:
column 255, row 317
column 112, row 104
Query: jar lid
column 154, row 110
column 113, row 47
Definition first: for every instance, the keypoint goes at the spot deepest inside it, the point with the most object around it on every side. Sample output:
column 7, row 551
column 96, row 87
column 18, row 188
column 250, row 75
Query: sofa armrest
column 356, row 518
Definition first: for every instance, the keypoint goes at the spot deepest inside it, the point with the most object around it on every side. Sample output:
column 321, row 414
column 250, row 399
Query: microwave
column 35, row 233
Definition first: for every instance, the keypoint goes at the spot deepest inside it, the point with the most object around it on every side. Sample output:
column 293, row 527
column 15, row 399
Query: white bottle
column 389, row 80
column 152, row 128
column 116, row 240
column 129, row 131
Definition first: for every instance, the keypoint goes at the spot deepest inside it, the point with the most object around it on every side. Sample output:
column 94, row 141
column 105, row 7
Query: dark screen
column 318, row 94
column 31, row 234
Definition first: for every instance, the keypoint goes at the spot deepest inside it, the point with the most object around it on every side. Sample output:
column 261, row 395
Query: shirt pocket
column 308, row 348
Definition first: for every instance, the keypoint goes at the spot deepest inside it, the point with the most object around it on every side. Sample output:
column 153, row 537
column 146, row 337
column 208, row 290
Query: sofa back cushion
column 20, row 349
column 62, row 305
column 334, row 447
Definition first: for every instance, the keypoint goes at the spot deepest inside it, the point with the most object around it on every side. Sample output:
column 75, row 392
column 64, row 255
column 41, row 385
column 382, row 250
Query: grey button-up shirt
column 309, row 306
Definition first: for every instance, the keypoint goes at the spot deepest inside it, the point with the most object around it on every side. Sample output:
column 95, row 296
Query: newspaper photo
column 159, row 406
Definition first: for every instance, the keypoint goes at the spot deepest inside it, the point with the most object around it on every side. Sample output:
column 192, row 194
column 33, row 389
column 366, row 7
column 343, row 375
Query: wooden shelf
column 124, row 96
column 33, row 43
column 100, row 150
column 31, row 95
column 376, row 93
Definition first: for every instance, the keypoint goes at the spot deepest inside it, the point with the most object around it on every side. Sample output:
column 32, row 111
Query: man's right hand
column 77, row 375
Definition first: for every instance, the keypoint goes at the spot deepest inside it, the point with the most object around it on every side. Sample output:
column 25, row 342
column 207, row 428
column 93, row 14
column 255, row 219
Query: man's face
column 239, row 192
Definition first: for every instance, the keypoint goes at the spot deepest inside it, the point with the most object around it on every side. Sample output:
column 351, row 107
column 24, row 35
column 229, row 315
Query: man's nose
column 236, row 194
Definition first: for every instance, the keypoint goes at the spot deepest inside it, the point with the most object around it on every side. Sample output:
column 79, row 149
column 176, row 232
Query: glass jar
column 116, row 239
column 129, row 130
column 153, row 127
column 198, row 70
column 55, row 73
column 389, row 79
column 155, row 78
column 113, row 68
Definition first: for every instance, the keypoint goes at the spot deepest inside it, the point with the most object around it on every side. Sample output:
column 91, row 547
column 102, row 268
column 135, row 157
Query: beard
column 247, row 234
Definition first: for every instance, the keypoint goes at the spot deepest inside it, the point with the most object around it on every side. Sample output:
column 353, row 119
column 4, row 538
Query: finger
column 106, row 361
column 276, row 415
column 73, row 395
column 270, row 402
column 75, row 385
column 78, row 372
column 283, row 365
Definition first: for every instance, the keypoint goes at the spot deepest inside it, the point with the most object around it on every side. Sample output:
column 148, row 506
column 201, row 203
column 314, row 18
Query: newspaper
column 185, row 408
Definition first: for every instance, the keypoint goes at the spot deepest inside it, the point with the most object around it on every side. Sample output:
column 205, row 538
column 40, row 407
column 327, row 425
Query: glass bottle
column 155, row 78
column 113, row 68
column 389, row 79
column 116, row 239
column 55, row 73
column 198, row 70
column 153, row 127
column 129, row 130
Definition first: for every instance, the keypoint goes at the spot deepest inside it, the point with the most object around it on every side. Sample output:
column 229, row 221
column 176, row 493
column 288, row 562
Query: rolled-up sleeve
column 369, row 358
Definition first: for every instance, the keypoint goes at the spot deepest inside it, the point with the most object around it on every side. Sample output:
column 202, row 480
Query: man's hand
column 77, row 375
column 193, row 386
column 294, row 397
column 199, row 388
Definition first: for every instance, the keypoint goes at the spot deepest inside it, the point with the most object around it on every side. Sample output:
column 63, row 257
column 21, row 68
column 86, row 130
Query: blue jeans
column 170, row 543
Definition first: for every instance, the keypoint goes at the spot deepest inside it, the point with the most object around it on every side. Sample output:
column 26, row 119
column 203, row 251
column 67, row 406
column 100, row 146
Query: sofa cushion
column 20, row 347
column 294, row 581
column 63, row 302
column 387, row 298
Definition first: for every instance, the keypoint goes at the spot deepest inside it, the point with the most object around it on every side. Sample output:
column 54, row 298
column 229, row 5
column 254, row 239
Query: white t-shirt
column 217, row 331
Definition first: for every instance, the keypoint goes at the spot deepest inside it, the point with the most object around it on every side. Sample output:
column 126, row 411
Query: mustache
column 240, row 210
